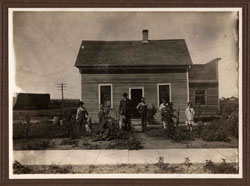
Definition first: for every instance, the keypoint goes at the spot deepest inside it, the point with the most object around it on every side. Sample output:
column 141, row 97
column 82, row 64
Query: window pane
column 164, row 93
column 106, row 96
column 200, row 97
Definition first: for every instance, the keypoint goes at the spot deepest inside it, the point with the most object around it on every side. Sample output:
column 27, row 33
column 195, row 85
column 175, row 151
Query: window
column 164, row 91
column 105, row 95
column 200, row 97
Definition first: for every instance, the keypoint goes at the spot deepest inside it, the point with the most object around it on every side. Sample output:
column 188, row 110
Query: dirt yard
column 152, row 139
column 43, row 134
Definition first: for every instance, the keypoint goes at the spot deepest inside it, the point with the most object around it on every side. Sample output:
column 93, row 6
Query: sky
column 46, row 44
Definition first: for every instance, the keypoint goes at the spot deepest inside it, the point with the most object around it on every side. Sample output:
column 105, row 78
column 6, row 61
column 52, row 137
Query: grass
column 20, row 114
column 181, row 133
column 72, row 142
column 222, row 168
column 39, row 130
column 132, row 143
column 36, row 145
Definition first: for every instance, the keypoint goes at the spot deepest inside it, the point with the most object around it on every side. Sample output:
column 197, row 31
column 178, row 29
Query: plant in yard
column 18, row 168
column 182, row 135
column 91, row 168
column 198, row 112
column 216, row 131
column 134, row 144
column 44, row 144
column 187, row 162
column 59, row 169
column 200, row 127
column 222, row 168
column 151, row 113
column 73, row 142
column 161, row 164
column 168, row 117
column 126, row 142
column 36, row 145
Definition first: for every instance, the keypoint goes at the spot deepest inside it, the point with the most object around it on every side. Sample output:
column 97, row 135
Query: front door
column 135, row 96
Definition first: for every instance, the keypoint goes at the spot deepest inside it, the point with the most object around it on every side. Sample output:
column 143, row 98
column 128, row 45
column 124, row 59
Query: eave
column 130, row 69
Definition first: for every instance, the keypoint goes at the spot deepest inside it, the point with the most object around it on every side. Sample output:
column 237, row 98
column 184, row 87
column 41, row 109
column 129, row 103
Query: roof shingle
column 112, row 53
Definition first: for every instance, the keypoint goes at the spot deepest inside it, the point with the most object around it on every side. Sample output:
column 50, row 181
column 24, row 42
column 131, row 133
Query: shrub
column 152, row 110
column 166, row 168
column 41, row 145
column 72, row 142
column 18, row 168
column 216, row 131
column 187, row 162
column 222, row 168
column 131, row 143
column 160, row 164
column 134, row 144
column 182, row 135
column 88, row 145
column 59, row 169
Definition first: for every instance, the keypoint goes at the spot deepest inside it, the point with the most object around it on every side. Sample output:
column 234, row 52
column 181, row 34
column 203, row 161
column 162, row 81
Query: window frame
column 99, row 92
column 158, row 92
column 130, row 88
column 205, row 96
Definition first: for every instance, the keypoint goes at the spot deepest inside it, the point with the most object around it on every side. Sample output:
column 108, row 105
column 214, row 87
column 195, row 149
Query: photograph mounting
column 125, row 93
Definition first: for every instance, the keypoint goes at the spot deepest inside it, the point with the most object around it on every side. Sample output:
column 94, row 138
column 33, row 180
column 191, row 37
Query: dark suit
column 125, row 110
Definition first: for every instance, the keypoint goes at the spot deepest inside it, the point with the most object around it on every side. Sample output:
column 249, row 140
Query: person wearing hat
column 142, row 108
column 125, row 111
column 81, row 115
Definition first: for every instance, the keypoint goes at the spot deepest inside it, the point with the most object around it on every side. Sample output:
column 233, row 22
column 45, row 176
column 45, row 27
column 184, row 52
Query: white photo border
column 11, row 72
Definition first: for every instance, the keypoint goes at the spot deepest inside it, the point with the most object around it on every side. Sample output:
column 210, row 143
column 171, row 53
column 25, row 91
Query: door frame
column 130, row 88
column 158, row 92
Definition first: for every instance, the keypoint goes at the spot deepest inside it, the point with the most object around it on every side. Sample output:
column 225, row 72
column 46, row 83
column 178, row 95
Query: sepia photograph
column 125, row 93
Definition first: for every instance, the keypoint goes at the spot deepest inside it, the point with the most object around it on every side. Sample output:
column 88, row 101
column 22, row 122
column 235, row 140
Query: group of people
column 125, row 112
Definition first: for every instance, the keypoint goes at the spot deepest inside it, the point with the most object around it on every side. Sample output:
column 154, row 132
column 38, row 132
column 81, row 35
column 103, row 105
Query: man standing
column 125, row 111
column 189, row 112
column 81, row 116
column 142, row 107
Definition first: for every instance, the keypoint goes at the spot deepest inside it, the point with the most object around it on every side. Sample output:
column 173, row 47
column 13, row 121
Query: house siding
column 212, row 96
column 122, row 82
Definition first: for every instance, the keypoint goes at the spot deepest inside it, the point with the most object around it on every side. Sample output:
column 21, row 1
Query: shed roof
column 204, row 72
column 133, row 53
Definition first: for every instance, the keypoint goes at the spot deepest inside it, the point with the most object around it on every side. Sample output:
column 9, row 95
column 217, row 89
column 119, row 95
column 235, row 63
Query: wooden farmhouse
column 154, row 69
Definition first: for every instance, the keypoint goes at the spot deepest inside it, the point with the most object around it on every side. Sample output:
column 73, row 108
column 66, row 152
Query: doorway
column 135, row 94
column 164, row 92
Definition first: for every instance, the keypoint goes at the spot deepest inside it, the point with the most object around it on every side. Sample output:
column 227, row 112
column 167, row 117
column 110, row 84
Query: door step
column 136, row 122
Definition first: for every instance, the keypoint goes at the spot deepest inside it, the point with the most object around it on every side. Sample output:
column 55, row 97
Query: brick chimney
column 145, row 36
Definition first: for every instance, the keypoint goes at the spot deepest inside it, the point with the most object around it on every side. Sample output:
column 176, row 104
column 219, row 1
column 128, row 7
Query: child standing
column 142, row 107
column 189, row 112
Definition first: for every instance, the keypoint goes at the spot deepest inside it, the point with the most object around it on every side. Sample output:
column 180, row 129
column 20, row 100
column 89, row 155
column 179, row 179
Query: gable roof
column 204, row 72
column 133, row 53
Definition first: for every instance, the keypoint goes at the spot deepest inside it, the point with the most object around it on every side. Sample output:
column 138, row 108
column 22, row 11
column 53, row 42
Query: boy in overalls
column 81, row 116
